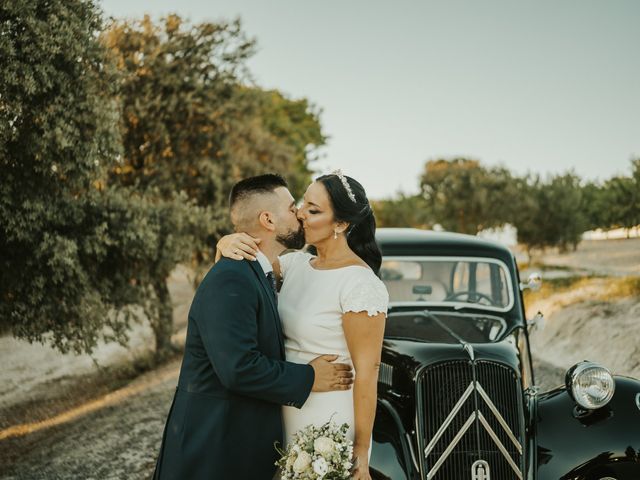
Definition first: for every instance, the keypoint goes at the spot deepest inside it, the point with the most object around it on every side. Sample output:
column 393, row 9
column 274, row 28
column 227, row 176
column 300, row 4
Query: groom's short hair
column 241, row 204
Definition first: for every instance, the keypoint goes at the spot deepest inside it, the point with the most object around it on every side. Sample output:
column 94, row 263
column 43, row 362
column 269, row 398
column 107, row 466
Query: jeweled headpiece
column 345, row 183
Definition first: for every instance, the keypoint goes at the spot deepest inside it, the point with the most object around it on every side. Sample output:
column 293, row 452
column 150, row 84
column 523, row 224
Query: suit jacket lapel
column 262, row 278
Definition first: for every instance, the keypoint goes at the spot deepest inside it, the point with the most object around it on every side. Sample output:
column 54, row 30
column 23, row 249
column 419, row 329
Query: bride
column 332, row 302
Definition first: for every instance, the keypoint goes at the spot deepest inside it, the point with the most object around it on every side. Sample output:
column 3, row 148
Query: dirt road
column 117, row 441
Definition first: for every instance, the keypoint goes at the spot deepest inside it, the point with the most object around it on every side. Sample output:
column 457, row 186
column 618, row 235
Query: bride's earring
column 335, row 234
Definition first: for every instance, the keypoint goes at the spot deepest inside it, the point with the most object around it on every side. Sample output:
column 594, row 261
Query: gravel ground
column 119, row 441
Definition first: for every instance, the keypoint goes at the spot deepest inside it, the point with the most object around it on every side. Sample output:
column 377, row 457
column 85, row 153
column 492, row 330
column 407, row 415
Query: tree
column 402, row 211
column 596, row 206
column 189, row 121
column 528, row 217
column 465, row 197
column 191, row 125
column 73, row 251
column 274, row 133
column 565, row 217
column 622, row 196
column 549, row 214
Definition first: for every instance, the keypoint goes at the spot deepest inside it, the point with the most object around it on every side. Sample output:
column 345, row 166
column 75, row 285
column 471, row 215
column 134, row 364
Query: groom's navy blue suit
column 226, row 413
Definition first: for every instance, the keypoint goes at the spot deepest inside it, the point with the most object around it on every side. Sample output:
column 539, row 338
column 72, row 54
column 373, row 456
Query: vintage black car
column 457, row 394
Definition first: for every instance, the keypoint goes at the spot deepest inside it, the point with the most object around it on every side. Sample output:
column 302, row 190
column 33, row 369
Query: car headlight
column 591, row 385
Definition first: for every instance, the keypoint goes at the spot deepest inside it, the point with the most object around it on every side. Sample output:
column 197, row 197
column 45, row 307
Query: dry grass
column 608, row 288
column 560, row 293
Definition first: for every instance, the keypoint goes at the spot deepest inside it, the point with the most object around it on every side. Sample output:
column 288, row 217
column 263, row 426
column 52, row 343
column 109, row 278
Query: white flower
column 302, row 462
column 323, row 445
column 320, row 467
column 290, row 461
column 317, row 452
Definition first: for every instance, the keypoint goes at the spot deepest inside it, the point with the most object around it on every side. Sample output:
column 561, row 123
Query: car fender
column 392, row 455
column 580, row 445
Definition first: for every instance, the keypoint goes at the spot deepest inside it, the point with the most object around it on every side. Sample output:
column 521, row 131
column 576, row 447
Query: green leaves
column 57, row 279
column 118, row 151
column 463, row 196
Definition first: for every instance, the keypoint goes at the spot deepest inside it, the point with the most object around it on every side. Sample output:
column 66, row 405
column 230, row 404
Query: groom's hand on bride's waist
column 330, row 376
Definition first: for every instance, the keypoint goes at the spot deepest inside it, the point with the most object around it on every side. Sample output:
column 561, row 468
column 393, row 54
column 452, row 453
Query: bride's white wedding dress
column 311, row 304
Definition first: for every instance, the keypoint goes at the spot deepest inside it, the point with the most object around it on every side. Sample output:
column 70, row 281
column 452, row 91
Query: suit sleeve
column 229, row 329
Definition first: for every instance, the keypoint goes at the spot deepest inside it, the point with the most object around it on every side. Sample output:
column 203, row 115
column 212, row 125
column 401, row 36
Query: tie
column 272, row 281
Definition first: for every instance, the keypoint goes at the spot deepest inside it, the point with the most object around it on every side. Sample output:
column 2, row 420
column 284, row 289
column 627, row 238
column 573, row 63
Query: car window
column 483, row 282
column 402, row 270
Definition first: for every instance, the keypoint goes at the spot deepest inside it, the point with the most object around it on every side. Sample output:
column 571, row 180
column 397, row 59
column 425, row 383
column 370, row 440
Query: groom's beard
column 293, row 239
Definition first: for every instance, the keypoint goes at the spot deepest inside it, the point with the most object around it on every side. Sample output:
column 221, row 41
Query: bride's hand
column 237, row 246
column 361, row 468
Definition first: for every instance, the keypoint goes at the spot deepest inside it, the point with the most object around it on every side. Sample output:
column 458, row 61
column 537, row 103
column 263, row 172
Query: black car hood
column 431, row 337
column 445, row 327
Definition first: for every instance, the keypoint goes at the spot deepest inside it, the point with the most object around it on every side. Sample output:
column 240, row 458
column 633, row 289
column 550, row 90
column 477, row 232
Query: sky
column 535, row 86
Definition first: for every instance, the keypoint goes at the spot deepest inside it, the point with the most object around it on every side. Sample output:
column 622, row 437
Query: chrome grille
column 385, row 374
column 471, row 411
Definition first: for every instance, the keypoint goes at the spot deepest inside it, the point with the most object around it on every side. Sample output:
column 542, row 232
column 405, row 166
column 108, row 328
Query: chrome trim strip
column 469, row 349
column 499, row 444
column 500, row 418
column 448, row 420
column 452, row 445
column 419, row 421
column 385, row 374
column 413, row 454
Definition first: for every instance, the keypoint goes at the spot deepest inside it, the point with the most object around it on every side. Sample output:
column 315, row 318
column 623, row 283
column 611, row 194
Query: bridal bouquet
column 318, row 453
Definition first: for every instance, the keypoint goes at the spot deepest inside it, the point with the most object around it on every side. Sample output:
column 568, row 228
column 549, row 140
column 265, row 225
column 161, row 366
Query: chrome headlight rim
column 582, row 398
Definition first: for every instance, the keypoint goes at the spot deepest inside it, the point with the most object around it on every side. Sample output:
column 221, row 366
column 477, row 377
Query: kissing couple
column 260, row 365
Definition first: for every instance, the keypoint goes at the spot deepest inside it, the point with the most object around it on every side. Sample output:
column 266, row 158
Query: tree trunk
column 163, row 325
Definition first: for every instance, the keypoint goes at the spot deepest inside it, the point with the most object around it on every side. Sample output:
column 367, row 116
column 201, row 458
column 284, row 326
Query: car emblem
column 480, row 470
column 638, row 401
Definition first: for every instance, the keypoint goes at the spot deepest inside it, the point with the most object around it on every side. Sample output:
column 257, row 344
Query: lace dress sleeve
column 366, row 295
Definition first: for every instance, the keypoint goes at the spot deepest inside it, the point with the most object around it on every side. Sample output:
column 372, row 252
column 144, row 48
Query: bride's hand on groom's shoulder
column 237, row 246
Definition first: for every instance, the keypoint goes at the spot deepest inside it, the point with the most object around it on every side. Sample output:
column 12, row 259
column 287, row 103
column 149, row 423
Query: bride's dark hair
column 357, row 212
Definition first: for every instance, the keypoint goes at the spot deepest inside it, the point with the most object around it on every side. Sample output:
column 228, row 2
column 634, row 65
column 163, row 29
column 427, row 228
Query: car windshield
column 456, row 281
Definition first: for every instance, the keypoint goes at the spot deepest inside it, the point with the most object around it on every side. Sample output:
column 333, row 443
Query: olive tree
column 193, row 124
column 74, row 251
column 463, row 196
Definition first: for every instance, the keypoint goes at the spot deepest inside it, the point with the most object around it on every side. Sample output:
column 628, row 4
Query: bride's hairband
column 344, row 181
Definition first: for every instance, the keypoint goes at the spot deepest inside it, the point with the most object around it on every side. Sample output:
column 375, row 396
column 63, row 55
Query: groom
column 226, row 412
